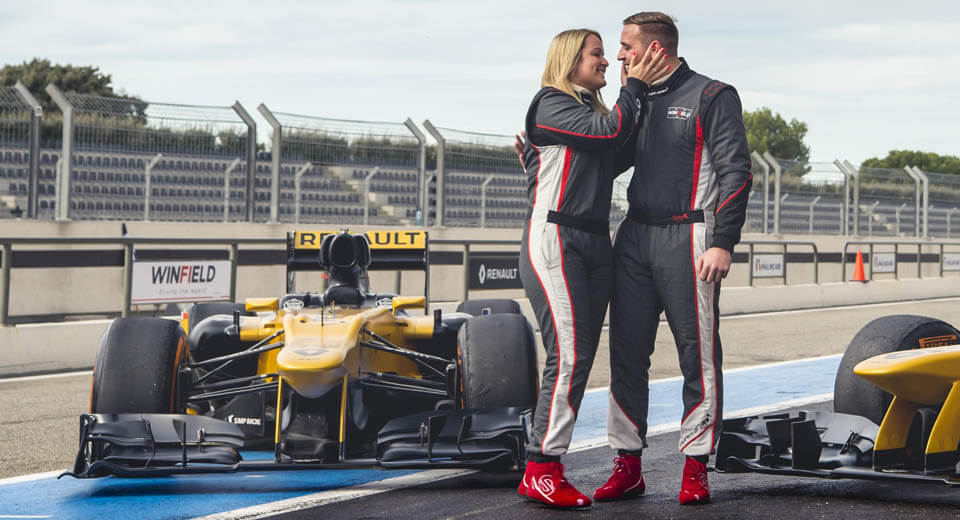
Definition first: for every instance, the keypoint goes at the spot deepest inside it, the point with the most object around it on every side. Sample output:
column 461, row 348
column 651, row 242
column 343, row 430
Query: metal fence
column 124, row 158
column 336, row 170
column 480, row 178
column 19, row 130
column 135, row 159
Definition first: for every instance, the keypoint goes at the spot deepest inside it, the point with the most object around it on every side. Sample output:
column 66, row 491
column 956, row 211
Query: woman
column 571, row 160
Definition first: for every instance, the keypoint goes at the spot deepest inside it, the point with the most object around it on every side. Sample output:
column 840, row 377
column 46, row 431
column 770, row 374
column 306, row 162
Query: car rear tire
column 137, row 367
column 855, row 395
column 497, row 362
column 496, row 306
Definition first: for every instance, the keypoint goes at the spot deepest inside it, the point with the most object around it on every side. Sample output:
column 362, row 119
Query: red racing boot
column 626, row 481
column 544, row 482
column 694, row 488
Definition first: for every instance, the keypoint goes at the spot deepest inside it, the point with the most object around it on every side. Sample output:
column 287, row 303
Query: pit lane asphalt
column 745, row 495
column 38, row 430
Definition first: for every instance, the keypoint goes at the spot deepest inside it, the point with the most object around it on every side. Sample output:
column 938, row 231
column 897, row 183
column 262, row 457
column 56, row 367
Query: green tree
column 769, row 132
column 37, row 73
column 927, row 161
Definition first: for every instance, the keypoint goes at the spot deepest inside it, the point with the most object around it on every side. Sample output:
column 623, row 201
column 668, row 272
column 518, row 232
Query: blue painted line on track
column 198, row 495
column 744, row 388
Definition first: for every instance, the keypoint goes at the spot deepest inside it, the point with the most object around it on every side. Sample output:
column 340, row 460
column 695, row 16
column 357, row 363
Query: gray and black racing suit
column 688, row 193
column 565, row 261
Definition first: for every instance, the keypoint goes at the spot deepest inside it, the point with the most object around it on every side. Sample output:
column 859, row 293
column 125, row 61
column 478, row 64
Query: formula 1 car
column 335, row 379
column 896, row 413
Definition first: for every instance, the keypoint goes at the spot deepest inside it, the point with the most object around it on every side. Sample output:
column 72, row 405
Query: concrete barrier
column 52, row 347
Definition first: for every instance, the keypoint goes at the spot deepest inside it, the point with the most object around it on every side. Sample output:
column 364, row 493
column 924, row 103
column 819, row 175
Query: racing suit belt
column 596, row 226
column 687, row 217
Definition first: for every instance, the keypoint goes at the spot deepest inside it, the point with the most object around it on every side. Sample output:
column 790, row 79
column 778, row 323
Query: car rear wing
column 390, row 250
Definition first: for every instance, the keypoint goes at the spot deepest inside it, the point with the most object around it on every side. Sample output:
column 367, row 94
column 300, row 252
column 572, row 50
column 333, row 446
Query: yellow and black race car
column 341, row 378
column 896, row 413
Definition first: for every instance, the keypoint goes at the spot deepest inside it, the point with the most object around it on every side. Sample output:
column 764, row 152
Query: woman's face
column 592, row 67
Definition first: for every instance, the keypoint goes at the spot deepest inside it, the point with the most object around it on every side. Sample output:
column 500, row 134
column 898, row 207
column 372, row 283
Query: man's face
column 631, row 41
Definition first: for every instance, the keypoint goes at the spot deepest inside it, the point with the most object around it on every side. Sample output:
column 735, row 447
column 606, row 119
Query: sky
column 866, row 76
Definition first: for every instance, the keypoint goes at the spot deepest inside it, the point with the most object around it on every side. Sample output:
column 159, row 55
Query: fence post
column 777, row 173
column 758, row 159
column 483, row 201
column 62, row 210
column 845, row 217
column 812, row 204
column 127, row 277
column 296, row 188
column 226, row 188
column 251, row 157
column 855, row 174
column 750, row 264
column 897, row 211
column 234, row 258
column 147, row 183
column 949, row 213
column 441, row 169
column 925, row 181
column 5, row 264
column 466, row 271
column 36, row 112
column 916, row 195
column 366, row 194
column 870, row 211
column 277, row 148
column 421, row 170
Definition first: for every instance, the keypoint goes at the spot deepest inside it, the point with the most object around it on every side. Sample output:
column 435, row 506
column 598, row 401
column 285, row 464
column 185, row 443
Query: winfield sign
column 495, row 272
column 168, row 282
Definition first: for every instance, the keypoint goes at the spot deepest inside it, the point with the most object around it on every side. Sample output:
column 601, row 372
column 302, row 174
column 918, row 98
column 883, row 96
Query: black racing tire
column 857, row 396
column 496, row 306
column 137, row 367
column 199, row 311
column 497, row 362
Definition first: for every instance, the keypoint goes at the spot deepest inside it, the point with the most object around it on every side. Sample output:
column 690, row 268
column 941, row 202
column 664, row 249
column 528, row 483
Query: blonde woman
column 571, row 159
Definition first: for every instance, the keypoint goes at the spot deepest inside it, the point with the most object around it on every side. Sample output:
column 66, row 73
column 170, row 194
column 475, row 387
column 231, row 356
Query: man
column 688, row 199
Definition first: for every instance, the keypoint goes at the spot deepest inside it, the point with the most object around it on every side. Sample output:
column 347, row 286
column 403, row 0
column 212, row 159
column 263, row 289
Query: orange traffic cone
column 858, row 269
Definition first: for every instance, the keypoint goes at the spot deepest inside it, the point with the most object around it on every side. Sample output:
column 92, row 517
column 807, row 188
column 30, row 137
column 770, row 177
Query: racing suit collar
column 672, row 81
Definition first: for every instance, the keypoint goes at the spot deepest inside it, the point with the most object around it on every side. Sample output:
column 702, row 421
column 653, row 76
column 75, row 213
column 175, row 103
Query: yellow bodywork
column 321, row 346
column 924, row 377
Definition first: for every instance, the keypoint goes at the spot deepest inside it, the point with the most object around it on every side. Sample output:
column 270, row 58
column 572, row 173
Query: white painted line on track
column 426, row 477
column 24, row 516
column 46, row 376
column 730, row 370
column 338, row 495
column 837, row 307
column 28, row 478
column 597, row 442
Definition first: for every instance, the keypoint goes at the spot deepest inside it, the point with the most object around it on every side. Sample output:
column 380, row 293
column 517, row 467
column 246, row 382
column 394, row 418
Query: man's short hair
column 655, row 25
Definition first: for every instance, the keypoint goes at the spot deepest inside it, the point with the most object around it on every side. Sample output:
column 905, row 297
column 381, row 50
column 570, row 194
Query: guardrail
column 896, row 251
column 6, row 263
column 785, row 243
column 233, row 246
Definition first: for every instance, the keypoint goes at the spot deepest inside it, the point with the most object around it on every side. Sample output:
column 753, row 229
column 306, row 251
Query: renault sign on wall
column 170, row 282
column 495, row 272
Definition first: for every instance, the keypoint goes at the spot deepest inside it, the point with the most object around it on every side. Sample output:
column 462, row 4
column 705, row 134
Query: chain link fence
column 484, row 183
column 15, row 117
column 944, row 208
column 134, row 159
column 341, row 171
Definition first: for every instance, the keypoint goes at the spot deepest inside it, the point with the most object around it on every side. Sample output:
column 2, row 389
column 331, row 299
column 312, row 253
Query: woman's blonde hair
column 563, row 56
